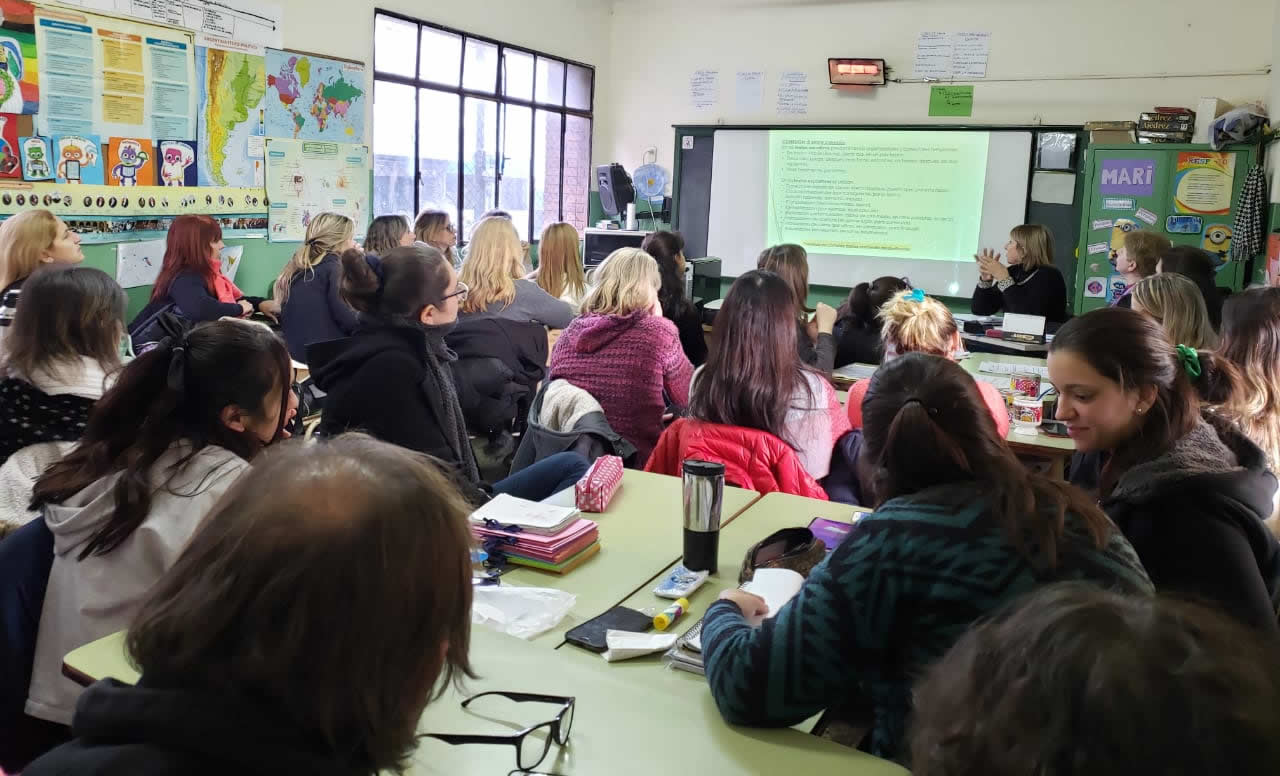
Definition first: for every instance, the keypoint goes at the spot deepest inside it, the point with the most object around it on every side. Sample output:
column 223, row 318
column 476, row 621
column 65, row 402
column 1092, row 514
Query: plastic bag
column 523, row 612
column 1239, row 125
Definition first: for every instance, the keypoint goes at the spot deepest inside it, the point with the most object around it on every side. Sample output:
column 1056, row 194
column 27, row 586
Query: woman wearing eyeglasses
column 243, row 669
column 435, row 228
column 394, row 379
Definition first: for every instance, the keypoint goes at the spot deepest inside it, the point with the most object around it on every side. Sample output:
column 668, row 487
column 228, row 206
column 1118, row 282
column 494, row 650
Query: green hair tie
column 1190, row 360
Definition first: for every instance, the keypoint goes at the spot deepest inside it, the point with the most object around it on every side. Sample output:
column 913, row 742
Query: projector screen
column 866, row 203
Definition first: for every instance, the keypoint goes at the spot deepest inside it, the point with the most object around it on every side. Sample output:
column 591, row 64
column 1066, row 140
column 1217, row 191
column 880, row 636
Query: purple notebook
column 830, row 532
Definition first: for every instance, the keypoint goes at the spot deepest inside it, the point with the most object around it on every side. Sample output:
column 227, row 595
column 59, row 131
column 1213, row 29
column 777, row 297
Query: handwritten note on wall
column 750, row 90
column 704, row 89
column 947, row 56
column 793, row 93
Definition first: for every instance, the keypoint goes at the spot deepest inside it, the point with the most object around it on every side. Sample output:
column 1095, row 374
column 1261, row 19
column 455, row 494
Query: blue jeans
column 545, row 478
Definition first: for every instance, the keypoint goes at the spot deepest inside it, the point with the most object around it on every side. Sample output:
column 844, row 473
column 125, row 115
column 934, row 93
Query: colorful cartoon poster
column 314, row 98
column 1121, row 228
column 19, row 68
column 1128, row 177
column 79, row 159
column 131, row 162
column 177, row 160
column 1116, row 288
column 1095, row 288
column 1217, row 240
column 10, row 156
column 1203, row 182
column 35, row 158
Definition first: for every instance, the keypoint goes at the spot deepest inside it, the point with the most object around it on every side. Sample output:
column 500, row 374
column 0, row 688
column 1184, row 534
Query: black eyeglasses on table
column 530, row 752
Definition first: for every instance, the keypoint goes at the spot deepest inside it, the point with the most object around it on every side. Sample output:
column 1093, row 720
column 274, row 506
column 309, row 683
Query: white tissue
column 624, row 645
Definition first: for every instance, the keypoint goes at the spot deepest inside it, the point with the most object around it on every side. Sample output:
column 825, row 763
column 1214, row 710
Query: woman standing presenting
column 1029, row 285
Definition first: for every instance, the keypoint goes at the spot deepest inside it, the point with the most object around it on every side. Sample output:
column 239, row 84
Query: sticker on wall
column 1101, row 223
column 1129, row 177
column 1095, row 248
column 131, row 162
column 10, row 156
column 78, row 159
column 1217, row 240
column 177, row 162
column 1115, row 203
column 1146, row 215
column 1122, row 227
column 1273, row 259
column 686, row 143
column 35, row 158
column 1095, row 288
column 1116, row 287
column 1202, row 185
column 1184, row 225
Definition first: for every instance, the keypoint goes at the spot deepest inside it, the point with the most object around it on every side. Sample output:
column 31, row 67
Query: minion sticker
column 1217, row 240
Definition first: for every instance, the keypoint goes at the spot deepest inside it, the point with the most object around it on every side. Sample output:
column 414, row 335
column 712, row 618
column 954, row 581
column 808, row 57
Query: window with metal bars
column 466, row 124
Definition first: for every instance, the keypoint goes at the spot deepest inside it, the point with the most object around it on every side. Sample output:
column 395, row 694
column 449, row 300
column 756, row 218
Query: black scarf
column 29, row 416
column 440, row 381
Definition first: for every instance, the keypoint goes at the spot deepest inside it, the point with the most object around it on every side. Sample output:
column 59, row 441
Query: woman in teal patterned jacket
column 961, row 529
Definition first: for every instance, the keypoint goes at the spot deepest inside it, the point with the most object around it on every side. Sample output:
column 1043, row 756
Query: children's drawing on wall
column 35, row 158
column 131, row 163
column 19, row 70
column 10, row 158
column 78, row 160
column 177, row 163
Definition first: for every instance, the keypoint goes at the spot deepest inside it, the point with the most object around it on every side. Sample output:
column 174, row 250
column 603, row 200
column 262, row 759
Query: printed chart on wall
column 314, row 98
column 233, row 24
column 114, row 78
column 307, row 177
column 233, row 88
column 1203, row 183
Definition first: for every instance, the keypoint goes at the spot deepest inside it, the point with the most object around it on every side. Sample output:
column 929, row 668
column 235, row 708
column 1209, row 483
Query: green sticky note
column 951, row 101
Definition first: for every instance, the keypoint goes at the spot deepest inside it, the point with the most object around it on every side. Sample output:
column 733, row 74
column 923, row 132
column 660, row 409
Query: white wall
column 575, row 29
column 658, row 43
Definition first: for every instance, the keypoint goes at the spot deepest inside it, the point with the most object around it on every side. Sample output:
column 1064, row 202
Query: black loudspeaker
column 616, row 191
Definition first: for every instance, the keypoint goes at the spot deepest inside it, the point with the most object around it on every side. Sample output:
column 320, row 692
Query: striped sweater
column 900, row 590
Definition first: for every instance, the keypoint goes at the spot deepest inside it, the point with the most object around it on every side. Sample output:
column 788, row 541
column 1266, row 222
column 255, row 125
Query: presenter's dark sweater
column 1040, row 291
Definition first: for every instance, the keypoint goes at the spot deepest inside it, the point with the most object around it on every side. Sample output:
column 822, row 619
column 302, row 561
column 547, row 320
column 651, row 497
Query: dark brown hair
column 1078, row 681
column 753, row 372
column 1201, row 267
column 791, row 263
column 329, row 601
column 664, row 247
column 384, row 234
column 866, row 299
column 1251, row 341
column 925, row 424
column 395, row 288
column 1132, row 350
column 174, row 392
column 65, row 312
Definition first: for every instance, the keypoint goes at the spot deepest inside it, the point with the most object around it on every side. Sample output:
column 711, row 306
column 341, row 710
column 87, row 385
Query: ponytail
column 325, row 234
column 395, row 288
column 1215, row 379
column 860, row 306
column 360, row 282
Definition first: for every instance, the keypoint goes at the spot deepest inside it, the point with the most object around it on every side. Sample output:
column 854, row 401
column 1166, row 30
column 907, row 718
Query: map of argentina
column 234, row 86
column 314, row 98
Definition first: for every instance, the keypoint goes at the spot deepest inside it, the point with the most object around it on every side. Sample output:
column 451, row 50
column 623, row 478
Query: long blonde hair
column 1175, row 302
column 494, row 261
column 627, row 281
column 559, row 265
column 24, row 241
column 1250, row 340
column 327, row 233
column 915, row 323
column 1036, row 243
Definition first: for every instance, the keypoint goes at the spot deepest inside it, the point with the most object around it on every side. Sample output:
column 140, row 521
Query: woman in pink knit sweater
column 623, row 352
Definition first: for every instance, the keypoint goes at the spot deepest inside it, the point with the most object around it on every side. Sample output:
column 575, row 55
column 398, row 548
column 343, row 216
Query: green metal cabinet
column 1114, row 169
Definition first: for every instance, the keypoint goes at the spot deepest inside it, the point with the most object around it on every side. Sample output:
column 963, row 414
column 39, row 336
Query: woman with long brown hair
column 667, row 248
column 1187, row 487
column 755, row 378
column 960, row 528
column 814, row 339
column 242, row 665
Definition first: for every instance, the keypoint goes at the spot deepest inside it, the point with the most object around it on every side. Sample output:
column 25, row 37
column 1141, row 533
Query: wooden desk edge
column 77, row 676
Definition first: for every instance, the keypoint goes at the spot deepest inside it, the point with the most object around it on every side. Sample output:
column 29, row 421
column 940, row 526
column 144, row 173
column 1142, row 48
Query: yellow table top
column 628, row 719
column 641, row 533
column 101, row 659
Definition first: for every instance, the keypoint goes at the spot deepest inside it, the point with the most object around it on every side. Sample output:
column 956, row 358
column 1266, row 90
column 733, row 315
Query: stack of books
column 529, row 533
column 1166, row 125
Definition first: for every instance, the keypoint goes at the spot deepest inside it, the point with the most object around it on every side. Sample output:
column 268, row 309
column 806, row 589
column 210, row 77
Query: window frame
column 500, row 100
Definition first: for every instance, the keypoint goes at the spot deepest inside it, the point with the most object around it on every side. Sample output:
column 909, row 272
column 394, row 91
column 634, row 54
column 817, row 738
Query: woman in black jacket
column 1030, row 285
column 1188, row 489
column 667, row 248
column 307, row 289
column 858, row 325
column 393, row 378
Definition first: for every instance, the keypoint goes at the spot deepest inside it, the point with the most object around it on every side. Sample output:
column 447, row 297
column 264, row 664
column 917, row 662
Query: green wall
column 258, row 269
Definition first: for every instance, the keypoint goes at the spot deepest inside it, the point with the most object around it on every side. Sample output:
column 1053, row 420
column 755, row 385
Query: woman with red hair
column 191, row 283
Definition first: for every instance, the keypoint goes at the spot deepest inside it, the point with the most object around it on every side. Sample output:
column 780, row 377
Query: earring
column 1141, row 410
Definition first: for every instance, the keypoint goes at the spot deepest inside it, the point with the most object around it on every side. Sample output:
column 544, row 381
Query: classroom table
column 628, row 719
column 641, row 532
column 101, row 659
column 1022, row 347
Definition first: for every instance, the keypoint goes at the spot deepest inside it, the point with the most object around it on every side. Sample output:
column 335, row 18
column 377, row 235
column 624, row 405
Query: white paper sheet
column 750, row 90
column 951, row 56
column 704, row 89
column 231, row 256
column 776, row 587
column 138, row 263
column 1055, row 188
column 793, row 93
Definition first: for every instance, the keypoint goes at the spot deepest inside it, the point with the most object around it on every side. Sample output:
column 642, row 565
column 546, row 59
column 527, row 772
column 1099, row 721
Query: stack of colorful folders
column 529, row 533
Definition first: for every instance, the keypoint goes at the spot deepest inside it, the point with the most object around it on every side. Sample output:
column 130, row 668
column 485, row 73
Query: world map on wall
column 314, row 98
column 235, row 86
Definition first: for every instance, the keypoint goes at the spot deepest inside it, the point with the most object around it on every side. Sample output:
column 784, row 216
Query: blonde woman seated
column 1177, row 304
column 559, row 271
column 623, row 352
column 494, row 277
column 915, row 323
